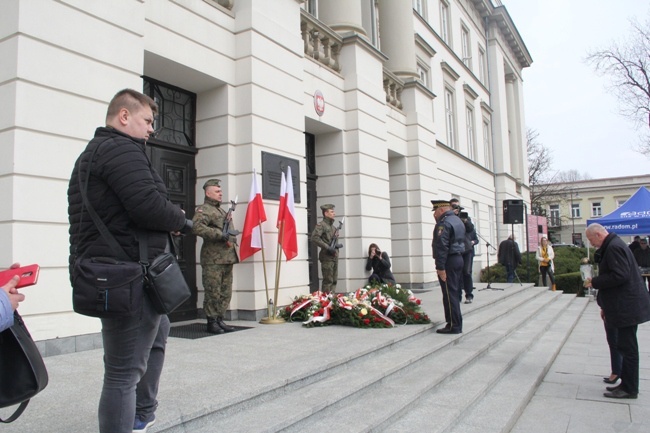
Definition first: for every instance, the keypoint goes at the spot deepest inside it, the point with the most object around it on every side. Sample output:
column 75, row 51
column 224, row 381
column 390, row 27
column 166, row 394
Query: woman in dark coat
column 379, row 262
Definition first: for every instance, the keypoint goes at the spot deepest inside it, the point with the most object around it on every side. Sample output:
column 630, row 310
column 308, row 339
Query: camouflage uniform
column 217, row 257
column 329, row 263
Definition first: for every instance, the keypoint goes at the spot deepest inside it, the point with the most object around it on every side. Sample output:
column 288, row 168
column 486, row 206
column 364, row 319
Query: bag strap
column 19, row 411
column 103, row 230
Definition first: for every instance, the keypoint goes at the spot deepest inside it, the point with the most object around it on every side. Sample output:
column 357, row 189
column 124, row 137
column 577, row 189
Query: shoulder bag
column 165, row 284
column 22, row 370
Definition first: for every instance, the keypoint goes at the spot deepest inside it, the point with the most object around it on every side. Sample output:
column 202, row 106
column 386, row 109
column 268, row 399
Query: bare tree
column 540, row 173
column 628, row 67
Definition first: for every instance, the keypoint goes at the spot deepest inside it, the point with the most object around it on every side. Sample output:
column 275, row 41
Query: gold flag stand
column 272, row 318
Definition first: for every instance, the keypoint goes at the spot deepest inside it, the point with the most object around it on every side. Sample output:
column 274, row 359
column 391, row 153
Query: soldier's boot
column 223, row 325
column 553, row 288
column 213, row 326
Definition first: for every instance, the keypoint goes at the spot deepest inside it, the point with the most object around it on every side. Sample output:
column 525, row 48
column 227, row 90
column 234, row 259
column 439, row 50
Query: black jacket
column 509, row 253
column 448, row 238
column 127, row 194
column 621, row 292
column 381, row 267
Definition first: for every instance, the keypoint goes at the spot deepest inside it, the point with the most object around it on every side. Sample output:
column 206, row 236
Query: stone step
column 451, row 406
column 310, row 396
column 405, row 389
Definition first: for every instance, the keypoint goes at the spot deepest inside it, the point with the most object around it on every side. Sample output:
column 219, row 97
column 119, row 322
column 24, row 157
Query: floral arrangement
column 372, row 306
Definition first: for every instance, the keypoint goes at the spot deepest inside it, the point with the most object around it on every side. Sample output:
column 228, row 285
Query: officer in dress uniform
column 448, row 246
column 218, row 255
column 329, row 255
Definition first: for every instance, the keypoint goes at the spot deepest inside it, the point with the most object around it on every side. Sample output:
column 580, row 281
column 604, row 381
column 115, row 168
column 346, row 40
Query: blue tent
column 633, row 218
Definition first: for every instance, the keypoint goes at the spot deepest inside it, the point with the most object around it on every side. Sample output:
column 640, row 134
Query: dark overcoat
column 621, row 292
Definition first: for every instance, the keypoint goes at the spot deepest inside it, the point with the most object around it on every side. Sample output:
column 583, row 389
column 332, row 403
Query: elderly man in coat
column 623, row 300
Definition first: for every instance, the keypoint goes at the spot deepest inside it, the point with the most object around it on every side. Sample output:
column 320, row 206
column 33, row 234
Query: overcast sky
column 566, row 102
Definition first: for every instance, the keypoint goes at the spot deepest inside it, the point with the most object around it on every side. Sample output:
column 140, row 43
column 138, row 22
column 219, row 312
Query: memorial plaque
column 273, row 168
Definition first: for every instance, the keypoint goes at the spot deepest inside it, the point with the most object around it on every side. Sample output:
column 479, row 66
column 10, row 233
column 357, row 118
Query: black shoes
column 619, row 393
column 213, row 327
column 608, row 380
column 223, row 325
column 613, row 388
column 446, row 330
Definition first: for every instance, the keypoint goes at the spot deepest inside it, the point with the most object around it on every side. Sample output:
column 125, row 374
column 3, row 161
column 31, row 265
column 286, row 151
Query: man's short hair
column 132, row 100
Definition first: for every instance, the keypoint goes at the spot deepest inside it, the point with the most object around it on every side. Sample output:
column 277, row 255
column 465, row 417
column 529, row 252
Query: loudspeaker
column 513, row 211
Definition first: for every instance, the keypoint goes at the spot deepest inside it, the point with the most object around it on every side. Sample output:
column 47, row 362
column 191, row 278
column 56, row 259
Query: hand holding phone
column 28, row 275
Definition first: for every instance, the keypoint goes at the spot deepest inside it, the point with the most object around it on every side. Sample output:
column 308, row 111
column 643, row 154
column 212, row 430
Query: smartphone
column 28, row 275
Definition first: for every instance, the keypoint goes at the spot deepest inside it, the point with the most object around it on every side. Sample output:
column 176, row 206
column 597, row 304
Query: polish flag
column 289, row 240
column 283, row 201
column 251, row 241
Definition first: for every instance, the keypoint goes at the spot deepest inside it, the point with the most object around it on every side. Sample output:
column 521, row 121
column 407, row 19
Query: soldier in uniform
column 448, row 246
column 329, row 255
column 218, row 255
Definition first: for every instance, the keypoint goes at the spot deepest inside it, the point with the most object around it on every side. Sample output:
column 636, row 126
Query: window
column 450, row 119
column 596, row 209
column 575, row 210
column 475, row 220
column 418, row 5
column 482, row 66
column 423, row 72
column 491, row 228
column 176, row 112
column 487, row 143
column 471, row 142
column 467, row 52
column 620, row 202
column 554, row 212
column 445, row 33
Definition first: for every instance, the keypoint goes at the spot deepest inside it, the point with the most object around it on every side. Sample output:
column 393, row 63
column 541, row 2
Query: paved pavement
column 204, row 374
column 570, row 398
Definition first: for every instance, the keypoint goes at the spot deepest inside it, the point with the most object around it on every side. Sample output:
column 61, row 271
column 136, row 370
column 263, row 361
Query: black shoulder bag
column 22, row 370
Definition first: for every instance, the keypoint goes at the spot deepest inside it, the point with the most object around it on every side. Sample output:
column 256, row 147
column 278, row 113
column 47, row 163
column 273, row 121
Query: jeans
column 546, row 270
column 616, row 360
column 468, row 281
column 628, row 347
column 134, row 353
column 510, row 273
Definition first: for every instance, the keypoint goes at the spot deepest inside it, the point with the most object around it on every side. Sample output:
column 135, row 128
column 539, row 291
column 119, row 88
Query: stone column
column 342, row 15
column 397, row 37
column 513, row 136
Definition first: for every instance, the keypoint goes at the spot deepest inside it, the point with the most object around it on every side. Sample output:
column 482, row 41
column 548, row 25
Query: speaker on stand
column 513, row 211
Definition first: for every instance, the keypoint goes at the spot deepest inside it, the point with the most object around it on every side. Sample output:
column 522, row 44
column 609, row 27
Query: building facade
column 378, row 105
column 581, row 200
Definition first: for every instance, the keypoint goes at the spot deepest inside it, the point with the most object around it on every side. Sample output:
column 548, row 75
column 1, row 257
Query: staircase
column 480, row 380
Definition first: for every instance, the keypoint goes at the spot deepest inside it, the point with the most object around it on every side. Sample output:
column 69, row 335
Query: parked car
column 561, row 245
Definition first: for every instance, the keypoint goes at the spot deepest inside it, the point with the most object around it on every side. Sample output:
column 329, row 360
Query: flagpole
column 277, row 275
column 266, row 283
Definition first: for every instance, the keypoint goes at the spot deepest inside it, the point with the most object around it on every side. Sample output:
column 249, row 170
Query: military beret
column 211, row 182
column 440, row 203
column 327, row 207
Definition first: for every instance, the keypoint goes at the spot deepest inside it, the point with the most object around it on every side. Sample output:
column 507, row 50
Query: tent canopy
column 633, row 218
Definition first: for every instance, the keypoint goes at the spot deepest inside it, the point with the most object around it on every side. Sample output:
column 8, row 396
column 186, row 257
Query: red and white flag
column 251, row 241
column 283, row 201
column 287, row 215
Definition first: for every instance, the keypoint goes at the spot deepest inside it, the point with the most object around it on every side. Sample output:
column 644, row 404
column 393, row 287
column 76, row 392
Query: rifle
column 226, row 232
column 334, row 244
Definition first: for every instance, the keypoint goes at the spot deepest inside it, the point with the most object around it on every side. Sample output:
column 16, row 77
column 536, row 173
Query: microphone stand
column 488, row 245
